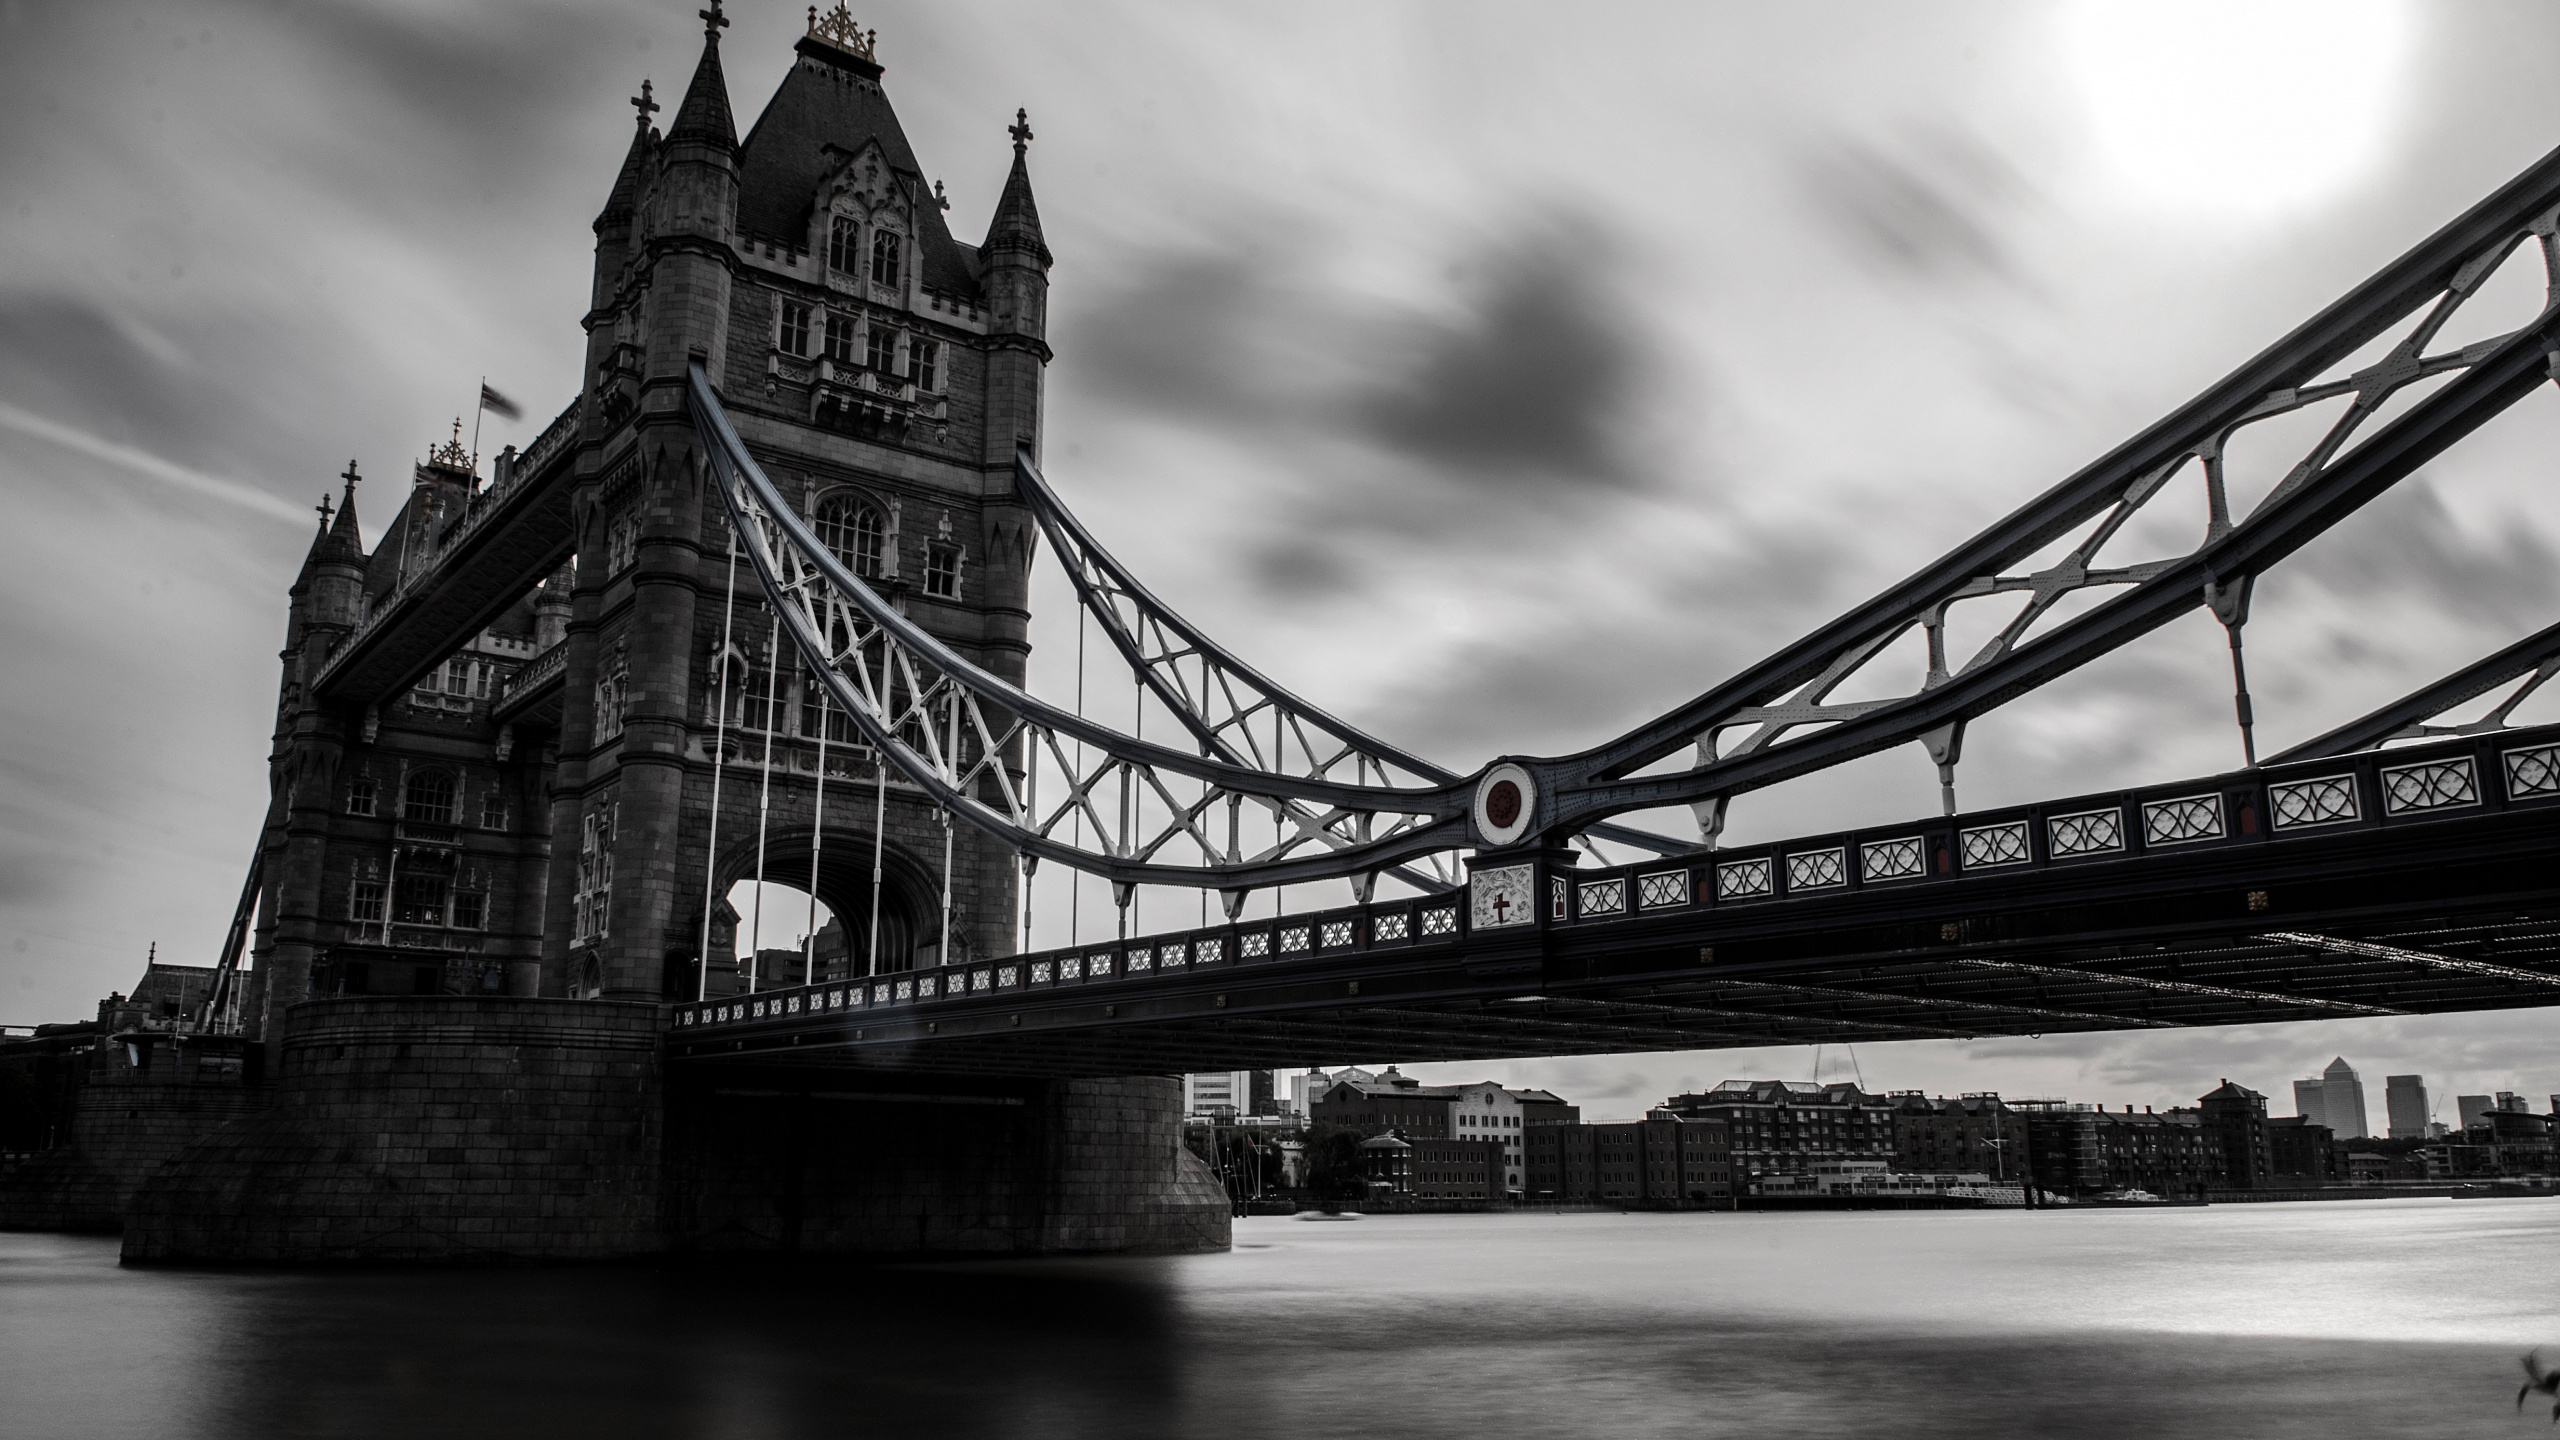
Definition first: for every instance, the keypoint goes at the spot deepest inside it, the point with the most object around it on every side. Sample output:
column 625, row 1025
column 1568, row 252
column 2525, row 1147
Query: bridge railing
column 2417, row 784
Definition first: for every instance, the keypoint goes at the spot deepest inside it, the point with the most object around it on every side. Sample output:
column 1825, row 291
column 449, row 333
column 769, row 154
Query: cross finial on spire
column 1020, row 130
column 351, row 477
column 713, row 22
column 325, row 510
column 940, row 199
column 645, row 104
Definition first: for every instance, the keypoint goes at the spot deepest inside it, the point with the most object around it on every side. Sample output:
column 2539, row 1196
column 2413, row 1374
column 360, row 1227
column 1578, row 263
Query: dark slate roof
column 626, row 185
column 1016, row 223
column 704, row 115
column 785, row 155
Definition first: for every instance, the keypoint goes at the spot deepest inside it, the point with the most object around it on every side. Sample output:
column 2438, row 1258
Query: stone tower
column 884, row 373
column 534, row 814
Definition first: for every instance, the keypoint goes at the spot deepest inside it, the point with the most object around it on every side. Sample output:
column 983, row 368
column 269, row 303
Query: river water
column 2388, row 1318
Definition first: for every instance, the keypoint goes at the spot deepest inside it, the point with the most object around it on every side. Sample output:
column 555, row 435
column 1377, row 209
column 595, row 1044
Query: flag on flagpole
column 492, row 400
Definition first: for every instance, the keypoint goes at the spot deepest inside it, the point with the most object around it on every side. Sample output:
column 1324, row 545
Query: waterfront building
column 2404, row 1103
column 1968, row 1133
column 2301, row 1153
column 2090, row 1150
column 1472, row 1169
column 1386, row 1162
column 1664, row 1160
column 2235, row 1117
column 1783, row 1126
column 1229, row 1094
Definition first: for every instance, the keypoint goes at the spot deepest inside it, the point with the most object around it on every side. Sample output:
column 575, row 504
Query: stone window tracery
column 592, row 905
column 360, row 795
column 427, row 796
column 840, row 338
column 613, row 694
column 880, row 349
column 844, row 244
column 942, row 570
column 793, row 336
column 924, row 363
column 884, row 258
column 854, row 531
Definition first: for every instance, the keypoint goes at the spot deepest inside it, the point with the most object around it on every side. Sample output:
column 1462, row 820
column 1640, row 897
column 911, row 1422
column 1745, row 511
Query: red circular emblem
column 1502, row 804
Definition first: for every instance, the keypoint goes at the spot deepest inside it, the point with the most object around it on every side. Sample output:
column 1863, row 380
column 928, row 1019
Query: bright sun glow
column 2237, row 110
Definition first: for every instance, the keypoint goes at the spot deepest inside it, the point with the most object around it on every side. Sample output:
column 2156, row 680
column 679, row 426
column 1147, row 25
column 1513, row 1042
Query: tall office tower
column 2471, row 1108
column 2404, row 1099
column 2342, row 1101
column 2311, row 1100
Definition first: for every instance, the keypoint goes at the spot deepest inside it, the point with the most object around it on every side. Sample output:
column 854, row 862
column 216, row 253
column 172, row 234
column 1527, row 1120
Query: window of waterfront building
column 942, row 571
column 795, row 329
column 754, row 690
column 924, row 363
column 470, row 909
column 884, row 258
column 364, row 903
column 880, row 350
column 854, row 531
column 493, row 809
column 844, row 244
column 360, row 795
column 427, row 798
column 840, row 338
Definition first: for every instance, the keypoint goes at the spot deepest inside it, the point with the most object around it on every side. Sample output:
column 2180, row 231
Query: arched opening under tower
column 856, row 932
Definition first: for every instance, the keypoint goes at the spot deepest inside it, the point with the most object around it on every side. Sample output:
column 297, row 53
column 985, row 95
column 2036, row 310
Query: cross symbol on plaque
column 1501, row 906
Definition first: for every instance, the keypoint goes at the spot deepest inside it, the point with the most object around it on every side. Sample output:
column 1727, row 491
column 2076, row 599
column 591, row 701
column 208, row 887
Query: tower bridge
column 756, row 606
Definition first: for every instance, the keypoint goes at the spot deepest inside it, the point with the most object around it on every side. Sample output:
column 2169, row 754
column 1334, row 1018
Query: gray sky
column 1498, row 375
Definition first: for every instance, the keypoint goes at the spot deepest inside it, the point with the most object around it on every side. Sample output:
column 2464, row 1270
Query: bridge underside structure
column 2404, row 882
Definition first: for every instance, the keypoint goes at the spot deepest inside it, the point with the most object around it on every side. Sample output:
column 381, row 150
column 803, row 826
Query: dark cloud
column 2407, row 546
column 1179, row 334
column 1933, row 210
column 1530, row 385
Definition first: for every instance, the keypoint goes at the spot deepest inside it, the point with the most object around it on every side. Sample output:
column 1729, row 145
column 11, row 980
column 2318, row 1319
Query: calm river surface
column 2394, row 1318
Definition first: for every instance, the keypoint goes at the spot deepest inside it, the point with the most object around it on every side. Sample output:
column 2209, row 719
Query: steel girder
column 1332, row 827
column 2535, row 658
column 1789, row 691
column 959, row 732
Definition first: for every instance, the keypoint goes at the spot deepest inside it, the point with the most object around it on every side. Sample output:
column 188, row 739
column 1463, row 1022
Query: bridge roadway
column 2412, row 880
column 516, row 531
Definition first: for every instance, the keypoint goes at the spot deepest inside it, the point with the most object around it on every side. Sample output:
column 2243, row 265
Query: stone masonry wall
column 789, row 1161
column 125, row 1122
column 429, row 1129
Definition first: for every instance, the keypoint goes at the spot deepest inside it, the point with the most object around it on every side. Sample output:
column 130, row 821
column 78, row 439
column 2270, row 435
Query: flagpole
column 479, row 407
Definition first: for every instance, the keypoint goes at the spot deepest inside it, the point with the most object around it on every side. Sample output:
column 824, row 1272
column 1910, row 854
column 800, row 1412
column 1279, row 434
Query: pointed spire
column 346, row 538
column 619, row 205
column 1016, row 225
column 704, row 113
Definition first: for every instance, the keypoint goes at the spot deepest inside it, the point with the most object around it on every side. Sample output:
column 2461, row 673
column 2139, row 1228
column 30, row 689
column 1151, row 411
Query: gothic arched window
column 884, row 258
column 844, row 244
column 427, row 797
column 854, row 531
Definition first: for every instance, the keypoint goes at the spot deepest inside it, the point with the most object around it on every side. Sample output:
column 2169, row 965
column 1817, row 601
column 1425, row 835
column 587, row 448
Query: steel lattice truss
column 1341, row 804
column 1149, row 813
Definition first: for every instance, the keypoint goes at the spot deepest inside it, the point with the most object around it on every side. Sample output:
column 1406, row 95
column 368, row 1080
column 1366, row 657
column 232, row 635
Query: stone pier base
column 454, row 1130
column 429, row 1128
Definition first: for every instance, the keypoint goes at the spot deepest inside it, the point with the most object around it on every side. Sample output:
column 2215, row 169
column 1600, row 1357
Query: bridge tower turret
column 325, row 603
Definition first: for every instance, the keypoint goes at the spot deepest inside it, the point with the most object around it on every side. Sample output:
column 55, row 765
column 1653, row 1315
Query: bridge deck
column 2414, row 880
